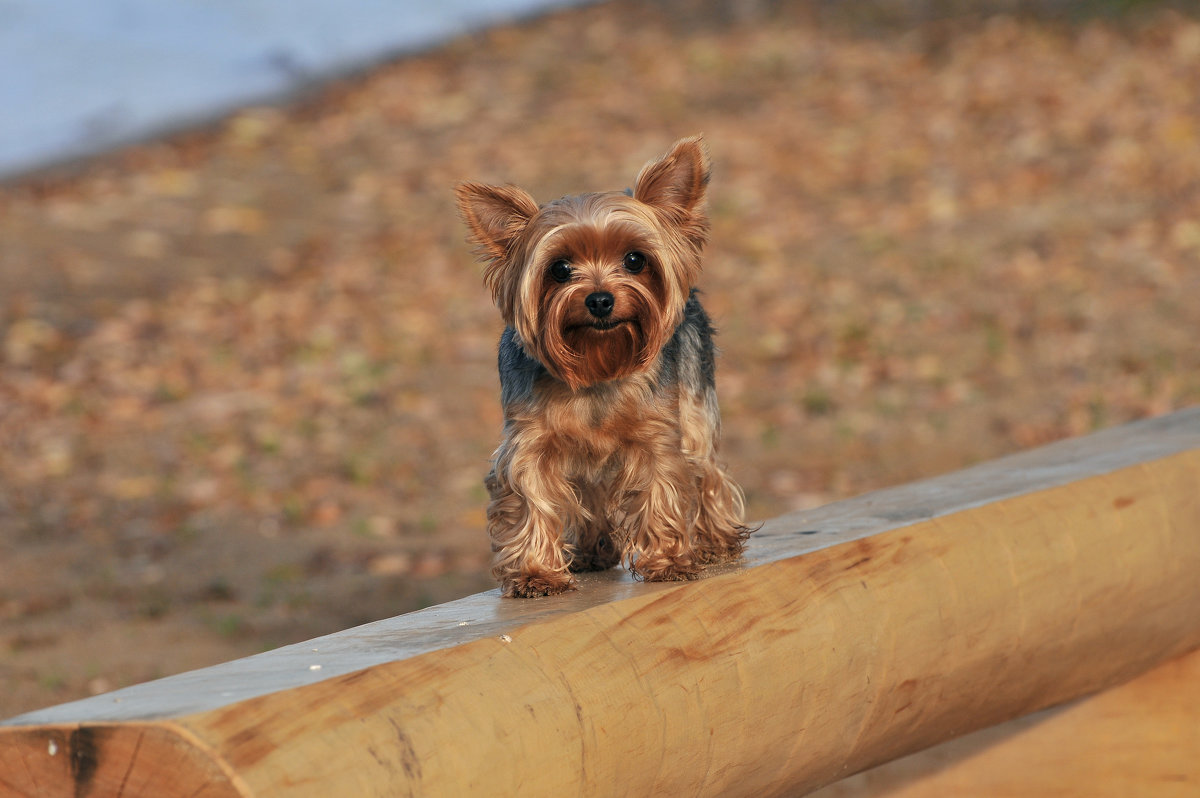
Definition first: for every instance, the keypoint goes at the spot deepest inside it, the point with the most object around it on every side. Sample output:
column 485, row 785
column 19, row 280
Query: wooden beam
column 851, row 635
column 1138, row 738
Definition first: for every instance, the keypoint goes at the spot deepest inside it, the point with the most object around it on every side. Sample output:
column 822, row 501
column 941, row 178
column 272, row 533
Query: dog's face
column 595, row 284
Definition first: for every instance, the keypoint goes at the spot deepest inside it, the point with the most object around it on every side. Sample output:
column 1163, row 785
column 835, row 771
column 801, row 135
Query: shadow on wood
column 851, row 635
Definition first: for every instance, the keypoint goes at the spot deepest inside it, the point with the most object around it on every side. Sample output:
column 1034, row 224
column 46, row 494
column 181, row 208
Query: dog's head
column 595, row 284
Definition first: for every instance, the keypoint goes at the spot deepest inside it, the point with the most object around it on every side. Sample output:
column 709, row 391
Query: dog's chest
column 600, row 425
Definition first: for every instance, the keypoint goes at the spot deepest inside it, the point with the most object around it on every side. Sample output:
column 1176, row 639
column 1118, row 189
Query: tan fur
column 602, row 460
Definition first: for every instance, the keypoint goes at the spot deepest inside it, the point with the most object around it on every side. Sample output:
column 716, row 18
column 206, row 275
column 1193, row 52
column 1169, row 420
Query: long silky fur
column 610, row 435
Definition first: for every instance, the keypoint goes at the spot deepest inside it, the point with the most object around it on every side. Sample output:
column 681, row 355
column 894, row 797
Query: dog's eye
column 560, row 270
column 634, row 262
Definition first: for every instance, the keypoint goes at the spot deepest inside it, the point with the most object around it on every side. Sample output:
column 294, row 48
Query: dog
column 611, row 423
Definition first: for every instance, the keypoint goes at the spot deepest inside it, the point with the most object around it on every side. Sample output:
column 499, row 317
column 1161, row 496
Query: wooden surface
column 851, row 635
column 1141, row 738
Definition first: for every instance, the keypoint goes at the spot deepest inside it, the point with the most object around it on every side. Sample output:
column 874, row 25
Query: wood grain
column 850, row 636
column 83, row 760
column 1139, row 738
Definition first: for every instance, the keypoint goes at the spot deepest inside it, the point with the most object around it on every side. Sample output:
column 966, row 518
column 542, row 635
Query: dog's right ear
column 495, row 216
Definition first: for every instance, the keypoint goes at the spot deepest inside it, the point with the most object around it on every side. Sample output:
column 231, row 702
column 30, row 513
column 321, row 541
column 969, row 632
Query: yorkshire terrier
column 611, row 422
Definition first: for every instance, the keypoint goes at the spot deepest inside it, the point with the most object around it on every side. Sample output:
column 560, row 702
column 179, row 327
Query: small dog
column 611, row 422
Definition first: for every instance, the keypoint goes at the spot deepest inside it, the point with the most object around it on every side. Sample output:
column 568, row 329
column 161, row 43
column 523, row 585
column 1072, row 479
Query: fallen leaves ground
column 247, row 381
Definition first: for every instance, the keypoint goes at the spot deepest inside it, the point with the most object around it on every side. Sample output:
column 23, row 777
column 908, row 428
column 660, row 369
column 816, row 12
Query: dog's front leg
column 530, row 501
column 660, row 505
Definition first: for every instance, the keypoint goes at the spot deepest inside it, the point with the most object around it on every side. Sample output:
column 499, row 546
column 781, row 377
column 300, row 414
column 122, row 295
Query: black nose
column 599, row 304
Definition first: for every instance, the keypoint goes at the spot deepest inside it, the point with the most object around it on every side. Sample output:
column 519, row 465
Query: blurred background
column 247, row 370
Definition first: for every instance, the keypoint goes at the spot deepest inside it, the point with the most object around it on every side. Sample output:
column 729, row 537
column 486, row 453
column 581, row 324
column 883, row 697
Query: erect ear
column 676, row 182
column 495, row 216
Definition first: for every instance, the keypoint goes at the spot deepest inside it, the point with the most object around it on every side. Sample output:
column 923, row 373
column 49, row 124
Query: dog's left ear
column 676, row 183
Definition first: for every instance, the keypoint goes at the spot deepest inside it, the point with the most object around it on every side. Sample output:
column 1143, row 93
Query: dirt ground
column 247, row 379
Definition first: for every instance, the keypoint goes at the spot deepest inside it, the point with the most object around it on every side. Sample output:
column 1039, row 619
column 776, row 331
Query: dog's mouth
column 601, row 325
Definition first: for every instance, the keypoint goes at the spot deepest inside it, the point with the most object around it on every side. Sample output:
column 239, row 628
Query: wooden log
column 849, row 636
column 1138, row 738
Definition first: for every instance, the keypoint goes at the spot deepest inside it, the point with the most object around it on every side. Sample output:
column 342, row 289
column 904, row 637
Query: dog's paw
column 536, row 584
column 664, row 570
column 721, row 551
column 602, row 556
